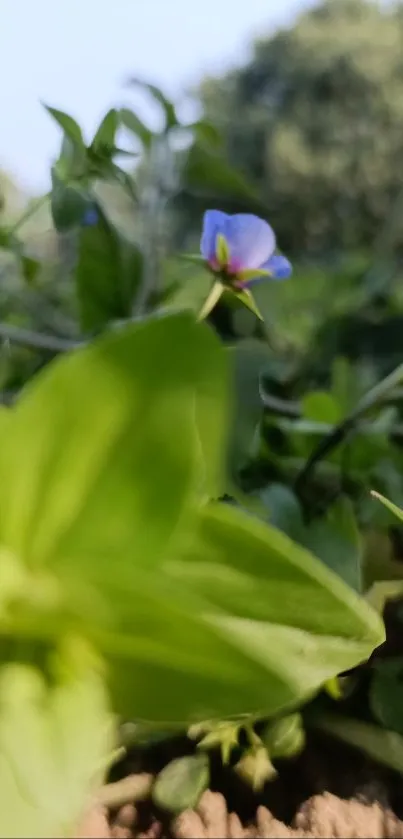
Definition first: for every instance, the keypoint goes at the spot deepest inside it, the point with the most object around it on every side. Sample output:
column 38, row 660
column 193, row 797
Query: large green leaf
column 276, row 602
column 108, row 273
column 200, row 611
column 104, row 447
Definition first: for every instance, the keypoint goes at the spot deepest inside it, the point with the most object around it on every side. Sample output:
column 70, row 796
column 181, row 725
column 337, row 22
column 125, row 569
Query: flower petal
column 213, row 223
column 251, row 241
column 279, row 266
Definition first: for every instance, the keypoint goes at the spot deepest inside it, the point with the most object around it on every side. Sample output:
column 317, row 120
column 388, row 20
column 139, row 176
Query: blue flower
column 242, row 247
column 90, row 217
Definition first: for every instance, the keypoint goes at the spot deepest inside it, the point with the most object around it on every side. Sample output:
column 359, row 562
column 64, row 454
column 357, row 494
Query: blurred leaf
column 248, row 359
column 45, row 789
column 193, row 258
column 68, row 203
column 206, row 132
column 180, row 784
column 131, row 121
column 107, row 274
column 72, row 163
column 386, row 747
column 386, row 694
column 30, row 269
column 284, row 737
column 336, row 540
column 383, row 591
column 345, row 388
column 111, row 171
column 69, row 126
column 284, row 511
column 320, row 406
column 207, row 172
column 104, row 139
column 169, row 111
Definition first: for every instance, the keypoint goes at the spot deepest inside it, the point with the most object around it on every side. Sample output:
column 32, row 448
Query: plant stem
column 340, row 432
column 211, row 301
column 29, row 212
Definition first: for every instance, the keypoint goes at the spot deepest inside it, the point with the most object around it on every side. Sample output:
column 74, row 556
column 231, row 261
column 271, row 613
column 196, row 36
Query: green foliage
column 315, row 120
column 112, row 537
column 284, row 737
column 385, row 747
column 108, row 274
column 180, row 784
column 189, row 503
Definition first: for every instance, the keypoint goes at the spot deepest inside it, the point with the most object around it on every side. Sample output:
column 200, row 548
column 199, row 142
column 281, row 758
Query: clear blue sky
column 74, row 54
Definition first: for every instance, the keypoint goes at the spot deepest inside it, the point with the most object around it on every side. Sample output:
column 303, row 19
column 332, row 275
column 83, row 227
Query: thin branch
column 374, row 396
column 36, row 340
column 33, row 208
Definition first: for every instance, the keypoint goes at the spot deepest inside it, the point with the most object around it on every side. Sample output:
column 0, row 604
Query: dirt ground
column 329, row 791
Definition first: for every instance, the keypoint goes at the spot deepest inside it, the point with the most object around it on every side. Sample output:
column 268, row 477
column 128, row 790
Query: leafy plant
column 184, row 504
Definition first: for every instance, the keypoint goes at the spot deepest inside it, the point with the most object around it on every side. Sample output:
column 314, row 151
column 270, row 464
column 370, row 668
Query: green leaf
column 113, row 437
column 246, row 298
column 30, row 269
column 134, row 124
column 68, row 203
column 69, row 126
column 181, row 783
column 386, row 747
column 320, row 406
column 72, row 163
column 389, row 504
column 206, row 132
column 54, row 743
column 194, row 258
column 284, row 737
column 283, row 510
column 336, row 540
column 112, row 172
column 248, row 359
column 386, row 694
column 345, row 384
column 205, row 171
column 108, row 274
column 104, row 139
column 273, row 599
column 171, row 119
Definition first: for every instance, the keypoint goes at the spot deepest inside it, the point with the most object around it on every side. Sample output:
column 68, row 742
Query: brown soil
column 329, row 791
